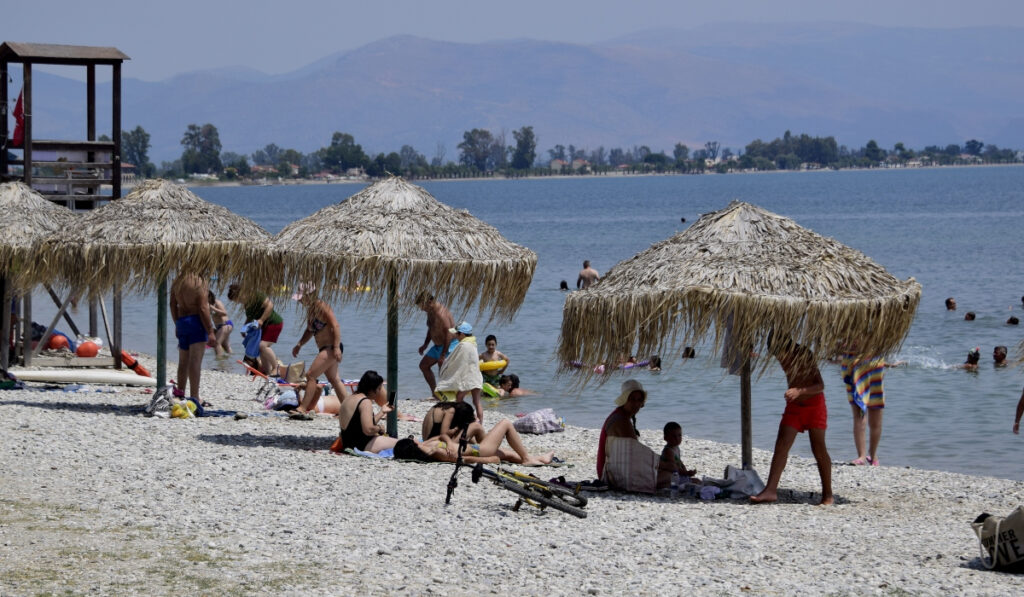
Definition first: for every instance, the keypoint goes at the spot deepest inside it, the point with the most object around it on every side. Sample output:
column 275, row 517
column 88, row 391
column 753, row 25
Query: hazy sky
column 166, row 38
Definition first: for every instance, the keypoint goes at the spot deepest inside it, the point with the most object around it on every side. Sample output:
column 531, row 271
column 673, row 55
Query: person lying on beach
column 671, row 461
column 222, row 326
column 320, row 403
column 805, row 411
column 488, row 446
column 447, row 420
column 493, row 354
column 360, row 427
column 508, row 387
column 971, row 364
column 323, row 327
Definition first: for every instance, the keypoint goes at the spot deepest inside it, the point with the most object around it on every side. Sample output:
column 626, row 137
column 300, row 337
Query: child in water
column 971, row 364
column 493, row 354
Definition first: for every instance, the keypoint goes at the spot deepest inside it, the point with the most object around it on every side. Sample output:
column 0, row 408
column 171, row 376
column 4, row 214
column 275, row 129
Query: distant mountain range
column 730, row 83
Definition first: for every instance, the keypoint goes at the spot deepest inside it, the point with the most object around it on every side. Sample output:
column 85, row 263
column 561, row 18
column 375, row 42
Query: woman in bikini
column 443, row 428
column 360, row 427
column 321, row 325
column 222, row 325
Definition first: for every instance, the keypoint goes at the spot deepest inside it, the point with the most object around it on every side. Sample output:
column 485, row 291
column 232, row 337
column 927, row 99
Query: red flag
column 19, row 123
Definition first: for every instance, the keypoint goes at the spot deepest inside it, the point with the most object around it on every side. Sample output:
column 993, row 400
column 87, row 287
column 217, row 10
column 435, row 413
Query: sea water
column 956, row 230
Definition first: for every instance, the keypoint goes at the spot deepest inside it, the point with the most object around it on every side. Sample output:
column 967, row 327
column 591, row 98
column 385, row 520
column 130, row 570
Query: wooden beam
column 26, row 103
column 3, row 119
column 116, row 130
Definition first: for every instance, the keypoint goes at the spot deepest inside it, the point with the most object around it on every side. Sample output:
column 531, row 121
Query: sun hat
column 628, row 387
column 304, row 288
column 463, row 327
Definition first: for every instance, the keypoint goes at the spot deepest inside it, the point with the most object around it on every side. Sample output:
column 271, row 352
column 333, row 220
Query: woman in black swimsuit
column 447, row 420
column 360, row 427
column 325, row 329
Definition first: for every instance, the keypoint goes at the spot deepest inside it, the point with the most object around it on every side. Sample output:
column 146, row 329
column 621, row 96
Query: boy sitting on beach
column 670, row 459
column 805, row 411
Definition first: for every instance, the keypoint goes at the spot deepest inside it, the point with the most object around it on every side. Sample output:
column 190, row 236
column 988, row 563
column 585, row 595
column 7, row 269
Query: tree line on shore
column 484, row 153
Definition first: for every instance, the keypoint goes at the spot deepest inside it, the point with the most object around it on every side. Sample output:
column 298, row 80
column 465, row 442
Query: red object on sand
column 18, row 138
column 57, row 342
column 87, row 349
column 130, row 362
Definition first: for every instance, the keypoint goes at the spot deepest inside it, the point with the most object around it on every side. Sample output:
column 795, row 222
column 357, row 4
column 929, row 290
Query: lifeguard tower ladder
column 70, row 173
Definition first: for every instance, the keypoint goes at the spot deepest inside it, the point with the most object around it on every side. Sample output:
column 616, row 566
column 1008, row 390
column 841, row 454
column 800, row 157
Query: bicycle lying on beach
column 530, row 489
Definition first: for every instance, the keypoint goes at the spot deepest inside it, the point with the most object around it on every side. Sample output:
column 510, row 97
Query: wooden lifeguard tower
column 73, row 173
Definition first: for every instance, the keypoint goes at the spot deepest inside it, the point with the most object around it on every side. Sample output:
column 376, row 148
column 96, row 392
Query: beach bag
column 539, row 421
column 1001, row 540
column 295, row 371
column 738, row 483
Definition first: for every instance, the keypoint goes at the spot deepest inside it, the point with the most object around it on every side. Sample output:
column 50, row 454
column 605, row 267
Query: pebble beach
column 97, row 498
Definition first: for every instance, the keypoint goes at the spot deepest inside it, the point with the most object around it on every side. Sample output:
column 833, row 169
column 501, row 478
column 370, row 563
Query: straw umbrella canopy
column 28, row 218
column 137, row 241
column 740, row 272
column 394, row 239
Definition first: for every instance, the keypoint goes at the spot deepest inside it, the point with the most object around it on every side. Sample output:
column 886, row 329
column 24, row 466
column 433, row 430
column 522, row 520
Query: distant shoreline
column 310, row 181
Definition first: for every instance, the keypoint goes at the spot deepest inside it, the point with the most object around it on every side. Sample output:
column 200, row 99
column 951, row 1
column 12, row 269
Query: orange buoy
column 87, row 349
column 130, row 362
column 57, row 342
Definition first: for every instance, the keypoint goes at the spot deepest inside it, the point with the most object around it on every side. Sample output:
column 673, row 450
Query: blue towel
column 251, row 336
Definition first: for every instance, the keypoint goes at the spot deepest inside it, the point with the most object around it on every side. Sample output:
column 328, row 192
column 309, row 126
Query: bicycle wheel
column 557, row 501
column 564, row 493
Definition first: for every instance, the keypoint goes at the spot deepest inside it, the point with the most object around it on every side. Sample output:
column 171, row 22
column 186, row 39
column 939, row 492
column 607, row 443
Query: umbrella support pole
column 161, row 335
column 393, row 356
column 44, row 341
column 5, row 326
column 56, row 303
column 745, row 416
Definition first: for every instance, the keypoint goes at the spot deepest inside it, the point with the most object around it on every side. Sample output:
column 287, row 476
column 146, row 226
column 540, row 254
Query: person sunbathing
column 488, row 447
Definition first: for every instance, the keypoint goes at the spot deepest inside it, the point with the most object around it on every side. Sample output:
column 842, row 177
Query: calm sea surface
column 957, row 231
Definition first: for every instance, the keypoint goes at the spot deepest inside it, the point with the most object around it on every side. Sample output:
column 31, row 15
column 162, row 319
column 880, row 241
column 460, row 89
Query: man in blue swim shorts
column 439, row 321
column 190, row 309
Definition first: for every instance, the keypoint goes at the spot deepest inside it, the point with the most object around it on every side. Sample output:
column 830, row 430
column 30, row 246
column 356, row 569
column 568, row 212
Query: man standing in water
column 190, row 309
column 439, row 321
column 588, row 276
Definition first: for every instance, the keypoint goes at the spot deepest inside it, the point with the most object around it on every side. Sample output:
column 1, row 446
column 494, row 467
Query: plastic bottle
column 675, row 484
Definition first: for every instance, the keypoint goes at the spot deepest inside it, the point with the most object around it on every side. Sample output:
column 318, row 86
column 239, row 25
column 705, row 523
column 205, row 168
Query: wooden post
column 3, row 120
column 393, row 356
column 5, row 326
column 27, row 145
column 745, row 416
column 115, row 133
column 90, row 156
column 161, row 335
column 115, row 343
column 26, row 328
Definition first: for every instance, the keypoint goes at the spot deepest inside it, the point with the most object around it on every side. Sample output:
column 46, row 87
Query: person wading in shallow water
column 588, row 276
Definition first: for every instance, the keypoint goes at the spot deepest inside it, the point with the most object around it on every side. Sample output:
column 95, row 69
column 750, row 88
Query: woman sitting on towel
column 360, row 427
column 447, row 420
column 487, row 449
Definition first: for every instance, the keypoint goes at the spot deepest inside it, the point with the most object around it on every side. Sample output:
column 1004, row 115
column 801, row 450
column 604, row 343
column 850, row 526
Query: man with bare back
column 439, row 320
column 805, row 411
column 193, row 325
column 588, row 276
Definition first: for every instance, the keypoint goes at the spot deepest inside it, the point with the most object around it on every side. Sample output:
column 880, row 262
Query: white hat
column 628, row 387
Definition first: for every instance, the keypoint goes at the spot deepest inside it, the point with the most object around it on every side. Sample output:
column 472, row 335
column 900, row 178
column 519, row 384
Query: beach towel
column 383, row 454
column 863, row 379
column 630, row 465
column 461, row 370
column 251, row 337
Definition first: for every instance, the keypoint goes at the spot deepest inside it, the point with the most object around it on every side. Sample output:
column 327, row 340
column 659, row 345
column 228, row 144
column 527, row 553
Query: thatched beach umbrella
column 27, row 218
column 393, row 238
column 740, row 272
column 158, row 229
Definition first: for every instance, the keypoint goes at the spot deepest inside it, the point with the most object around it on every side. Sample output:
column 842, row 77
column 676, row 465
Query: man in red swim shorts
column 805, row 411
